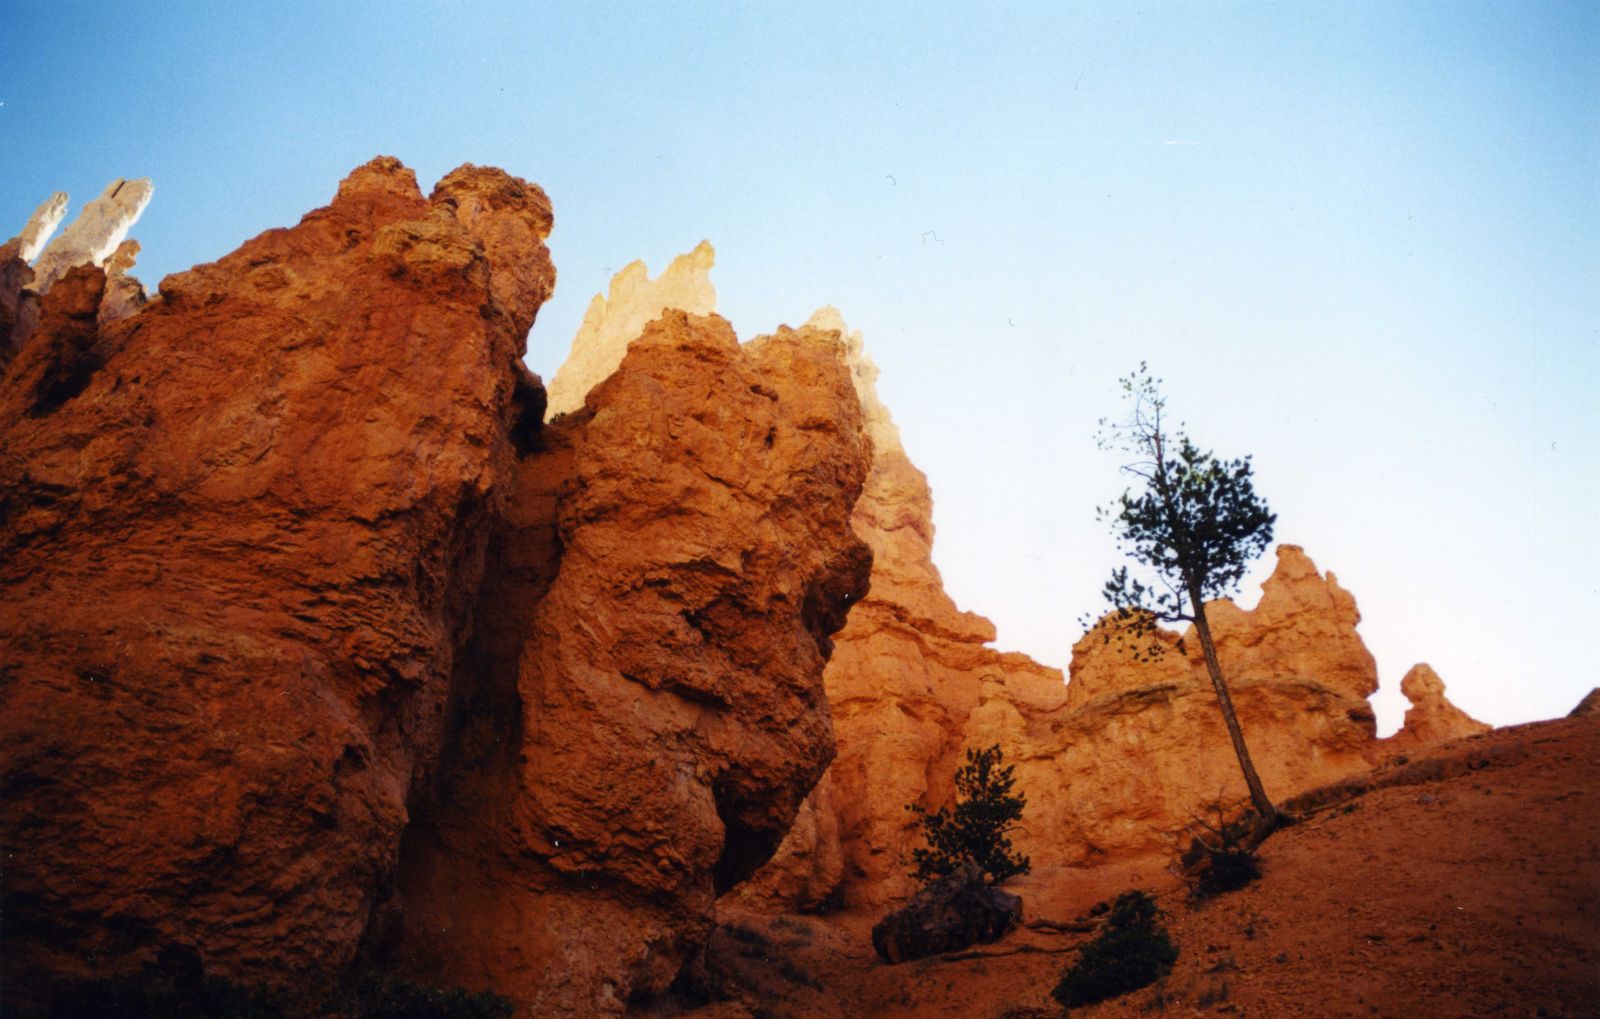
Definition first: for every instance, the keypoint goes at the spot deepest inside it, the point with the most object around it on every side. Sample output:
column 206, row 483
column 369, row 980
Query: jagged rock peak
column 95, row 233
column 124, row 294
column 1304, row 627
column 40, row 226
column 1432, row 718
column 864, row 374
column 615, row 320
column 256, row 512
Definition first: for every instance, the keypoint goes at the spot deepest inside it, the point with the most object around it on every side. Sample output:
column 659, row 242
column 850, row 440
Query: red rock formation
column 96, row 238
column 19, row 305
column 907, row 672
column 1136, row 748
column 266, row 698
column 237, row 532
column 676, row 563
column 1431, row 719
column 321, row 646
column 1114, row 762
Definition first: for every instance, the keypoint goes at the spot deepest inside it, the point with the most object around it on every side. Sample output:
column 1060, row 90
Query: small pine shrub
column 379, row 998
column 1133, row 950
column 976, row 830
column 139, row 998
column 174, row 986
column 1230, row 870
column 1219, row 859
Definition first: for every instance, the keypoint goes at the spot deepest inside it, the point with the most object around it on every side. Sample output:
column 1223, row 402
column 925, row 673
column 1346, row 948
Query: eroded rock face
column 240, row 535
column 1431, row 719
column 124, row 295
column 95, row 238
column 41, row 225
column 324, row 651
column 1115, row 762
column 1140, row 747
column 651, row 713
column 616, row 320
column 19, row 306
column 908, row 671
column 94, row 234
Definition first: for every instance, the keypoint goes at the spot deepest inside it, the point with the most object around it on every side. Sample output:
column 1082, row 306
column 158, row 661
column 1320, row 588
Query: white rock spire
column 95, row 234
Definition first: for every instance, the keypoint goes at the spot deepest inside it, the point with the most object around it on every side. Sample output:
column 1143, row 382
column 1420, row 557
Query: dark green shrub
column 1230, row 870
column 976, row 829
column 174, row 986
column 1220, row 858
column 1132, row 951
column 379, row 998
column 139, row 997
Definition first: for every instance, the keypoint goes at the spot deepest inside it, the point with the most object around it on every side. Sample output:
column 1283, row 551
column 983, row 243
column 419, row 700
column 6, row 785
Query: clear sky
column 1359, row 240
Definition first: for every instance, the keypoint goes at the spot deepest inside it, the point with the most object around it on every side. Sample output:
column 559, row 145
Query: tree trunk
column 1258, row 795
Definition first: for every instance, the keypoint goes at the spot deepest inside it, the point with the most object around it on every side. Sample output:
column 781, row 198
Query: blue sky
column 1359, row 240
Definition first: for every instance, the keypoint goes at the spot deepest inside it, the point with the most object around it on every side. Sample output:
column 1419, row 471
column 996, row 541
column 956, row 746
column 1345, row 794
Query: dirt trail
column 1463, row 883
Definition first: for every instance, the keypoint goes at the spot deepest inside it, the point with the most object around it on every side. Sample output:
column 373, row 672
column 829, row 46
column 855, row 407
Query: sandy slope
column 1464, row 883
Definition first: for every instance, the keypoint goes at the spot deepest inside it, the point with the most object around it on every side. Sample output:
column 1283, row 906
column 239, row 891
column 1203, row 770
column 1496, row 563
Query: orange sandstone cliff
column 317, row 638
column 236, row 532
column 659, row 609
column 326, row 652
column 1114, row 762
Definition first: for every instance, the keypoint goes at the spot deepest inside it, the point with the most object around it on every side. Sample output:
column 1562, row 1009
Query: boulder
column 948, row 915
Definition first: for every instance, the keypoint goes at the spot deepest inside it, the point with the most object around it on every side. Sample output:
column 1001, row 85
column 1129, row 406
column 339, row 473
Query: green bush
column 1132, row 951
column 379, row 998
column 139, row 997
column 1230, row 870
column 173, row 986
column 176, row 987
column 976, row 830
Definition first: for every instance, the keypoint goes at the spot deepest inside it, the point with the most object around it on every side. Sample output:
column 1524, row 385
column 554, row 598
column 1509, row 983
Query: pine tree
column 977, row 829
column 1195, row 523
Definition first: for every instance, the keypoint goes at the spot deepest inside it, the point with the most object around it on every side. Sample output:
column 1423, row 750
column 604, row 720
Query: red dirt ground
column 1463, row 883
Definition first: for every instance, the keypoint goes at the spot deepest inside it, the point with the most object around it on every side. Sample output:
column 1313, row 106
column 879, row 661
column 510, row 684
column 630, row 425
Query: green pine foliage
column 1133, row 950
column 188, row 994
column 141, row 996
column 977, row 829
column 1193, row 522
column 379, row 998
